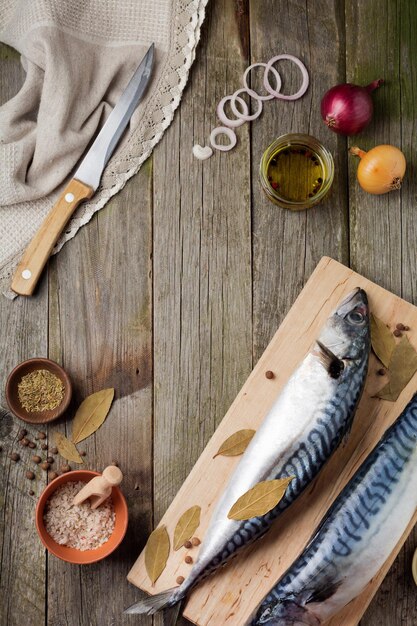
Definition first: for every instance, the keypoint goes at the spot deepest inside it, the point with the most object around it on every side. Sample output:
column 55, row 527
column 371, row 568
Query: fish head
column 285, row 613
column 347, row 331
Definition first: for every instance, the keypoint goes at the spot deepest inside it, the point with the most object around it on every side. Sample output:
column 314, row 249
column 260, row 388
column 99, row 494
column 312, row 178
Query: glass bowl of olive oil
column 296, row 171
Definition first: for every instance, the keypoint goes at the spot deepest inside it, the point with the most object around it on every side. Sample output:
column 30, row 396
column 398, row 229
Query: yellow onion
column 381, row 169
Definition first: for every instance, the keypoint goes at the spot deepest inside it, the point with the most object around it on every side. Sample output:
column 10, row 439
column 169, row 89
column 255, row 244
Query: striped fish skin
column 356, row 536
column 305, row 425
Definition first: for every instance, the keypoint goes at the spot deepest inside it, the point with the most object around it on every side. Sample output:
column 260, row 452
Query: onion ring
column 223, row 117
column 245, row 118
column 254, row 94
column 304, row 73
column 223, row 130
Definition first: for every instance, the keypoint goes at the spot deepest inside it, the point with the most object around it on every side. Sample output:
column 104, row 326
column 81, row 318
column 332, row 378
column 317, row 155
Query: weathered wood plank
column 23, row 334
column 373, row 51
column 288, row 245
column 202, row 263
column 100, row 329
column 381, row 42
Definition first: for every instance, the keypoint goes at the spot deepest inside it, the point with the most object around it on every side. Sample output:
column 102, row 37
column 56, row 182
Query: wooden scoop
column 99, row 488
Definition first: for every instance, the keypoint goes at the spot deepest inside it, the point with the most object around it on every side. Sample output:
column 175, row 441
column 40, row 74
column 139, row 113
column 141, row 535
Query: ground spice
column 40, row 390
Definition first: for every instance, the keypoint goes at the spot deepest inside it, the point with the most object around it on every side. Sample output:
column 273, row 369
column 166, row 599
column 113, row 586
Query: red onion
column 348, row 108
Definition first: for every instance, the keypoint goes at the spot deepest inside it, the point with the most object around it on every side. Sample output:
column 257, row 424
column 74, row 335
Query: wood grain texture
column 232, row 594
column 202, row 264
column 382, row 43
column 23, row 334
column 288, row 245
column 227, row 267
column 375, row 221
column 202, row 254
column 100, row 329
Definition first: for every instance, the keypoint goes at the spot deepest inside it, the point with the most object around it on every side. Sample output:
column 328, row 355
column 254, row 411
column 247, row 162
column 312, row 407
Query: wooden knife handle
column 39, row 250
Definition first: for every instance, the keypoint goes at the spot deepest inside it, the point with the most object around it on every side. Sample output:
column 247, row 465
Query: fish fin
column 330, row 361
column 286, row 612
column 323, row 593
column 152, row 604
column 171, row 615
column 346, row 436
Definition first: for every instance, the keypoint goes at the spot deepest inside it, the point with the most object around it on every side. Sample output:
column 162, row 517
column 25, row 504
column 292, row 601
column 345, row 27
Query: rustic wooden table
column 171, row 293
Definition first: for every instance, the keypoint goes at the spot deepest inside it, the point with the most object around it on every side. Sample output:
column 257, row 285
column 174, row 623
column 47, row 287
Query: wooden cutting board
column 229, row 596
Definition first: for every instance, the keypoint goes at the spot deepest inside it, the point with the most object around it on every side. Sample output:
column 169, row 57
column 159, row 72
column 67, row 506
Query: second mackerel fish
column 356, row 536
column 305, row 425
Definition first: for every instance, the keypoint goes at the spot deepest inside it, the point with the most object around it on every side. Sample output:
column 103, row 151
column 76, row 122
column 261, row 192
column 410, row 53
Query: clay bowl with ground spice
column 59, row 394
column 73, row 555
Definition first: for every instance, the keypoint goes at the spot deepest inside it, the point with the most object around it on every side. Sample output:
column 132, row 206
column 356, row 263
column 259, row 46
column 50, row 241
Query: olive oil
column 296, row 171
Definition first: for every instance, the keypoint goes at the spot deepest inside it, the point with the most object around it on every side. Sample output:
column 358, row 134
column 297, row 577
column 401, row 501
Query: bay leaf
column 383, row 342
column 156, row 553
column 259, row 500
column 186, row 526
column 91, row 414
column 402, row 367
column 236, row 444
column 67, row 449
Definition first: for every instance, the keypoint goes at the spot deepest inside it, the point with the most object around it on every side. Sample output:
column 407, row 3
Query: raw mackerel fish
column 305, row 425
column 355, row 538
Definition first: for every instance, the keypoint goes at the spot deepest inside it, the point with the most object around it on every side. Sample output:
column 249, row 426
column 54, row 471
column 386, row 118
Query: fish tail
column 161, row 601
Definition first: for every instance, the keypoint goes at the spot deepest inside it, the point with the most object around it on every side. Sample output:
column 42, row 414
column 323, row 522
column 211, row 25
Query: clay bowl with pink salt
column 78, row 534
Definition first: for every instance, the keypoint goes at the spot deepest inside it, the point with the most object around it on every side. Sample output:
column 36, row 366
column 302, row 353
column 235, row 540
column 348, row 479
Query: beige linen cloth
column 78, row 56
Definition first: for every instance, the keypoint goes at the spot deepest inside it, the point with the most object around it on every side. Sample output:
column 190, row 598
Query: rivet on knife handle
column 39, row 250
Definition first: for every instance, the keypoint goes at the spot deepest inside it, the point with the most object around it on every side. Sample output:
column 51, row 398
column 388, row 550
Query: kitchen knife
column 85, row 182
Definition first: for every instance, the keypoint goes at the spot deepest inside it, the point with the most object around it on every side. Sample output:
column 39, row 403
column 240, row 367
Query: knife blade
column 85, row 181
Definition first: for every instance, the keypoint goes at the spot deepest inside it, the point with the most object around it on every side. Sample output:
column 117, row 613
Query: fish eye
column 355, row 317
